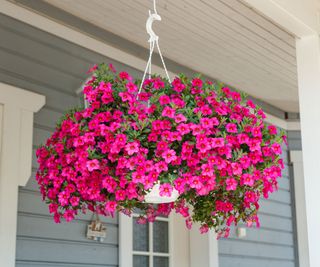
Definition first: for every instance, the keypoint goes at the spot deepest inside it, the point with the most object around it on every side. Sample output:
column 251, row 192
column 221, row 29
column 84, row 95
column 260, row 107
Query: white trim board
column 300, row 205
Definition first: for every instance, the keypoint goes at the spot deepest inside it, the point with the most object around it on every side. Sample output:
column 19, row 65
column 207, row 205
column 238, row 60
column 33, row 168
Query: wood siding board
column 257, row 249
column 238, row 261
column 33, row 249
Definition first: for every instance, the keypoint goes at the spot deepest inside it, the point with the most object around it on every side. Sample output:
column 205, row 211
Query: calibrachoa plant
column 209, row 143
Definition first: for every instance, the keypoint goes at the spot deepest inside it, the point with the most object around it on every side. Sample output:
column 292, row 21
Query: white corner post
column 203, row 248
column 16, row 129
column 308, row 62
column 300, row 204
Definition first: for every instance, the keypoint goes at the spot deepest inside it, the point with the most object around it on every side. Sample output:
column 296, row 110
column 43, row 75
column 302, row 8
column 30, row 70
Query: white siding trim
column 125, row 241
column 16, row 131
column 300, row 204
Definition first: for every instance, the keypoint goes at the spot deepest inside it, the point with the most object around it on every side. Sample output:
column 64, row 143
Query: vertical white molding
column 125, row 241
column 17, row 107
column 179, row 242
column 203, row 248
column 308, row 63
column 300, row 204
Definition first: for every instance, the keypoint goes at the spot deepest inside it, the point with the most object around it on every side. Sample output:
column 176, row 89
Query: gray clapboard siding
column 239, row 261
column 294, row 140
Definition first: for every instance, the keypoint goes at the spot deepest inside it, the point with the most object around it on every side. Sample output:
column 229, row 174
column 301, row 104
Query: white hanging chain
column 153, row 40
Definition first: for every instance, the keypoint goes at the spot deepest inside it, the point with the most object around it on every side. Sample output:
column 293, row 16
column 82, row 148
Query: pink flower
column 247, row 179
column 68, row 215
column 93, row 165
column 197, row 82
column 121, row 139
column 236, row 168
column 166, row 190
column 256, row 132
column 57, row 217
column 195, row 182
column 179, row 185
column 53, row 207
column 138, row 177
column 231, row 184
column 203, row 146
column 131, row 87
column 120, row 195
column 161, row 166
column 207, row 169
column 250, row 197
column 63, row 198
column 164, row 99
column 206, row 123
column 189, row 223
column 183, row 128
column 178, row 86
column 168, row 112
column 231, row 128
column 111, row 206
column 169, row 155
column 276, row 148
column 204, row 229
column 180, row 118
column 272, row 129
column 74, row 201
column 132, row 147
column 162, row 145
column 243, row 138
column 124, row 75
column 217, row 142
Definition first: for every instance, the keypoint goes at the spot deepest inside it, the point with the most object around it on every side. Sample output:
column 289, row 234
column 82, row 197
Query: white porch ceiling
column 223, row 39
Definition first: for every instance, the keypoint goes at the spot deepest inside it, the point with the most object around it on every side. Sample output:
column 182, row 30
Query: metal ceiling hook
column 150, row 20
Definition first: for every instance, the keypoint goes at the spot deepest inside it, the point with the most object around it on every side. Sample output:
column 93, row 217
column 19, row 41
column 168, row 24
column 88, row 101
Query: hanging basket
column 194, row 142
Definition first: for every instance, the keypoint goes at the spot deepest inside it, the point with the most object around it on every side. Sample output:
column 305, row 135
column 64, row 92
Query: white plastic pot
column 154, row 196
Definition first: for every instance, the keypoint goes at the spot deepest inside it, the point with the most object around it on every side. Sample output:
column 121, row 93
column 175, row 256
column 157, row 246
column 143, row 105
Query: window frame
column 126, row 251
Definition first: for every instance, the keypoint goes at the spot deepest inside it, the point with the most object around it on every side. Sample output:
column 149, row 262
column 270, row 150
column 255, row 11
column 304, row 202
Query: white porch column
column 308, row 62
column 16, row 126
column 203, row 248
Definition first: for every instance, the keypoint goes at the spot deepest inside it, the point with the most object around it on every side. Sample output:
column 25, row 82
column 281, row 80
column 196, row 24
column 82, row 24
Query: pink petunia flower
column 165, row 190
column 93, row 165
column 164, row 99
column 169, row 155
column 111, row 206
column 168, row 112
column 231, row 128
column 132, row 147
column 217, row 142
column 247, row 179
column 231, row 184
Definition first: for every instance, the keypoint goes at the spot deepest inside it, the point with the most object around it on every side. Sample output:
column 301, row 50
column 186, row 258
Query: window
column 164, row 243
column 146, row 245
column 150, row 246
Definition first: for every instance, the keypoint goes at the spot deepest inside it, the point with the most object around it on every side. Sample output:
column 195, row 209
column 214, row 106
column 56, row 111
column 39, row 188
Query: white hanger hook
column 150, row 20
